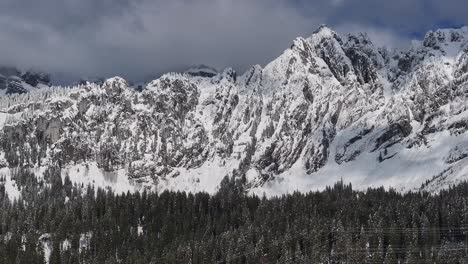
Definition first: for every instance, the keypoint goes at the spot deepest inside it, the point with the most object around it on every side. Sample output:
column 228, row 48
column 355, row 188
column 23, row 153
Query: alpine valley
column 329, row 108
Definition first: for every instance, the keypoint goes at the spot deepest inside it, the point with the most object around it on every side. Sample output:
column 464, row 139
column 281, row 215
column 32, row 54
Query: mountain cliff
column 330, row 107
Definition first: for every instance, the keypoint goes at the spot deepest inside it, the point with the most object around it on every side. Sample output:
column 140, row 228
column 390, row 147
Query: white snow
column 46, row 244
column 11, row 188
column 90, row 173
column 203, row 179
column 407, row 171
column 66, row 245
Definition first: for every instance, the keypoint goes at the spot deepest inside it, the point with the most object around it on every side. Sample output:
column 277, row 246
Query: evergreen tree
column 390, row 256
column 55, row 255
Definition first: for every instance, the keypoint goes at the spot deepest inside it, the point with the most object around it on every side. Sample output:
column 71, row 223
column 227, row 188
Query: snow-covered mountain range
column 330, row 107
column 15, row 81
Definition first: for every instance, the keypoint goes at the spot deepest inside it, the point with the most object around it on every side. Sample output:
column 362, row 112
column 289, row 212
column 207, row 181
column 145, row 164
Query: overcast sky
column 141, row 38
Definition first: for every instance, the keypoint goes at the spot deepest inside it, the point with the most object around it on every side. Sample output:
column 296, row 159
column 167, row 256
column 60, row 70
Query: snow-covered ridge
column 330, row 107
column 15, row 81
column 35, row 96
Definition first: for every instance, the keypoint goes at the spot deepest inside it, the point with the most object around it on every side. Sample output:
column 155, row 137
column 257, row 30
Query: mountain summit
column 330, row 107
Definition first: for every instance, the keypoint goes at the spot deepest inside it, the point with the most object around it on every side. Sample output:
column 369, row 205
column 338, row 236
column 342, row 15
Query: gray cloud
column 139, row 38
column 381, row 37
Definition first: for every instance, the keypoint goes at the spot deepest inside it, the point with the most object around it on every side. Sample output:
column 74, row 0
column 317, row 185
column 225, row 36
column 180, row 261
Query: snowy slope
column 330, row 107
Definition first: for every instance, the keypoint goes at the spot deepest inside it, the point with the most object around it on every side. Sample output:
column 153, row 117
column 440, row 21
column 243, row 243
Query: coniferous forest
column 58, row 222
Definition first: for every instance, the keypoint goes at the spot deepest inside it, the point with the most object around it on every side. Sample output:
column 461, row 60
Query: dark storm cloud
column 140, row 38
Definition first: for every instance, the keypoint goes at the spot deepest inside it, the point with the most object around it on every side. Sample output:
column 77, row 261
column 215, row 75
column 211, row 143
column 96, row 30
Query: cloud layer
column 140, row 38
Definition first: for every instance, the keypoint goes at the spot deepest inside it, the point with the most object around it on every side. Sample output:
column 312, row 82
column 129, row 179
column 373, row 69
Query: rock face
column 329, row 108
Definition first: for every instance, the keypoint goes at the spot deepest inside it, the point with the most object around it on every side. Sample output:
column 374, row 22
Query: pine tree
column 55, row 255
column 390, row 256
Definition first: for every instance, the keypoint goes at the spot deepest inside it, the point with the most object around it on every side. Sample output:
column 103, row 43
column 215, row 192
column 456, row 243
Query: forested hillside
column 57, row 222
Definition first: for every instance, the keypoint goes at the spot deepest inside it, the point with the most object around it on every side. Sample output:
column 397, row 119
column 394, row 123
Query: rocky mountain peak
column 323, row 31
column 252, row 77
column 229, row 75
column 115, row 85
column 434, row 39
column 358, row 39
